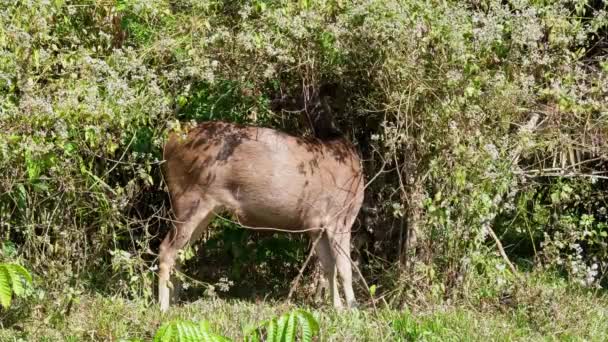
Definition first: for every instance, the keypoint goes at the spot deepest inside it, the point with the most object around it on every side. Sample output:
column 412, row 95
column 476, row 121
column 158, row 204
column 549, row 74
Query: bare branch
column 296, row 281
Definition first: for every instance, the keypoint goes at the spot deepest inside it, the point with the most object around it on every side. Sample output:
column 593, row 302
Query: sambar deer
column 268, row 179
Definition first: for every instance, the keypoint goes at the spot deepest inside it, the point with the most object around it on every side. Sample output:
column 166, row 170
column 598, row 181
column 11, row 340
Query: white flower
column 492, row 151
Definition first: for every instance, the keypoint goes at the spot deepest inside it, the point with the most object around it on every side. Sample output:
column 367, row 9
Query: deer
column 268, row 179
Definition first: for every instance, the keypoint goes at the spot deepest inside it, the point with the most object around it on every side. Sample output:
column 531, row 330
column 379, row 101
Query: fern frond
column 282, row 328
column 272, row 329
column 186, row 331
column 13, row 279
column 309, row 325
column 290, row 331
column 253, row 333
column 285, row 328
column 165, row 332
column 5, row 287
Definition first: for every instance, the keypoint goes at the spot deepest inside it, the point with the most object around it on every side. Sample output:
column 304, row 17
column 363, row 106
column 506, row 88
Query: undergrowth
column 546, row 308
column 471, row 117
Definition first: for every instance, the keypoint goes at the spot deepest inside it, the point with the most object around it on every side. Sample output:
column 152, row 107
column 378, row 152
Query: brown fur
column 268, row 179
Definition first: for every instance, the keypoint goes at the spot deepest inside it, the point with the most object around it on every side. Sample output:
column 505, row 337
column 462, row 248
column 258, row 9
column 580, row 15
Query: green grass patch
column 545, row 311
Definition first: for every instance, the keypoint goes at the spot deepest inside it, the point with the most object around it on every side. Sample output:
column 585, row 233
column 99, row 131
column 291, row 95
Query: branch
column 502, row 252
column 296, row 281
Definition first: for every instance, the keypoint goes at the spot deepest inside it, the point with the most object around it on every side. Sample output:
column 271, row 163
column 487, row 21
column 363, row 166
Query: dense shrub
column 437, row 95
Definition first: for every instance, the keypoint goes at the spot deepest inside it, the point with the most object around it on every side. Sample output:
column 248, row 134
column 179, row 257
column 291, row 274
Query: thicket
column 472, row 117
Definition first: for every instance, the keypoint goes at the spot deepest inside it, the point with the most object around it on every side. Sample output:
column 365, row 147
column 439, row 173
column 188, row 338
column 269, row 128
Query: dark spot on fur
column 302, row 169
column 230, row 143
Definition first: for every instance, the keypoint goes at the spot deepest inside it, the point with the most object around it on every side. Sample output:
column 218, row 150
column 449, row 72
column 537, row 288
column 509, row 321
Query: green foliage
column 547, row 308
column 224, row 100
column 410, row 329
column 566, row 223
column 282, row 329
column 183, row 331
column 285, row 328
column 437, row 96
column 13, row 281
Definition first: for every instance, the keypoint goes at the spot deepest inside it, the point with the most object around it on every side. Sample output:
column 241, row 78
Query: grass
column 540, row 311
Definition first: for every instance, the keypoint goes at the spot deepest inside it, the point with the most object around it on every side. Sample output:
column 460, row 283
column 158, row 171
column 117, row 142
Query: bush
column 437, row 95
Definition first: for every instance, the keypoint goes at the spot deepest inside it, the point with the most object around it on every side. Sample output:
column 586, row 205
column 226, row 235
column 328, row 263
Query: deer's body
column 268, row 179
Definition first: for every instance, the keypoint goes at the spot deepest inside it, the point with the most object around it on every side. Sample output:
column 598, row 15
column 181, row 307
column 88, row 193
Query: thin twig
column 557, row 174
column 296, row 281
column 269, row 228
column 502, row 252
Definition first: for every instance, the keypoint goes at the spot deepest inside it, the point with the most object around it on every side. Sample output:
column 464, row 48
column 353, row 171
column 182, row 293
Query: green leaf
column 69, row 148
column 21, row 196
column 272, row 330
column 40, row 185
column 13, row 278
column 282, row 328
column 185, row 331
column 5, row 287
column 17, row 282
column 309, row 325
column 372, row 290
column 555, row 198
column 33, row 166
column 290, row 334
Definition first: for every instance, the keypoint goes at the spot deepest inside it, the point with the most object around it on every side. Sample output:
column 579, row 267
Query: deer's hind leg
column 341, row 244
column 338, row 239
column 327, row 257
column 193, row 213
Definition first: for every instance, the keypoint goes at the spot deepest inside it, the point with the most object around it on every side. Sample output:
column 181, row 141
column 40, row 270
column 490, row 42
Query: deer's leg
column 320, row 281
column 328, row 262
column 192, row 214
column 343, row 262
